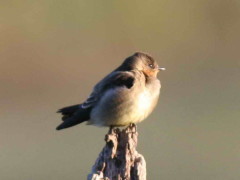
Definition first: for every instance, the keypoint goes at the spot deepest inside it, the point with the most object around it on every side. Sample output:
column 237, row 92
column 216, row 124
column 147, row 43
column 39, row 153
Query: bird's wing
column 79, row 113
column 113, row 80
column 91, row 100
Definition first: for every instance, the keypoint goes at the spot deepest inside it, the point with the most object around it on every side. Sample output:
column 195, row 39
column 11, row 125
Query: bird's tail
column 72, row 115
column 67, row 112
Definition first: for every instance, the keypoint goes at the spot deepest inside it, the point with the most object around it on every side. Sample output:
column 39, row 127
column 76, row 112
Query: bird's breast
column 144, row 101
column 122, row 106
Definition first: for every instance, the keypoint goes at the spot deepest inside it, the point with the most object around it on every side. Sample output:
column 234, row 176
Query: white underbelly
column 140, row 109
column 131, row 109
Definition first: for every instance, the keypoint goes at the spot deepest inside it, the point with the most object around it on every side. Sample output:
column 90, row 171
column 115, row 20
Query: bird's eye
column 151, row 66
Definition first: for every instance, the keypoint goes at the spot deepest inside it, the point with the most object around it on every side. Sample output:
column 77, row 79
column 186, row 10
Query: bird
column 125, row 96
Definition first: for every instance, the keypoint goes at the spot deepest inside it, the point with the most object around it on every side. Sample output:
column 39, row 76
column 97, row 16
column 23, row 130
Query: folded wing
column 76, row 114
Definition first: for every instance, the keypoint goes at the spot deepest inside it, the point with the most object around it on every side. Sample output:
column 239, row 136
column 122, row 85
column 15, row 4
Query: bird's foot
column 110, row 129
column 132, row 127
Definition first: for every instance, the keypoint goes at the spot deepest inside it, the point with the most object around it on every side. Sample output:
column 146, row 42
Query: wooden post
column 119, row 159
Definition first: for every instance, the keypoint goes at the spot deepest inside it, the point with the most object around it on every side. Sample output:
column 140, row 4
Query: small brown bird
column 126, row 95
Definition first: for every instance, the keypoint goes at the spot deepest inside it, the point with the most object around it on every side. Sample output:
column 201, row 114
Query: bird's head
column 142, row 62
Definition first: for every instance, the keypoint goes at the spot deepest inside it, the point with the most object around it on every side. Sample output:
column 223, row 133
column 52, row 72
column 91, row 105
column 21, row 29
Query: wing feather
column 113, row 80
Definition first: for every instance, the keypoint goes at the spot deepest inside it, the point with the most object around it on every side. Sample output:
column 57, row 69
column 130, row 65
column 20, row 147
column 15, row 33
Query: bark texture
column 119, row 159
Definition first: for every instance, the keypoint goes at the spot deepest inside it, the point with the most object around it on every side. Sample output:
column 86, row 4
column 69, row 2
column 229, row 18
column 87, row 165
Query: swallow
column 126, row 96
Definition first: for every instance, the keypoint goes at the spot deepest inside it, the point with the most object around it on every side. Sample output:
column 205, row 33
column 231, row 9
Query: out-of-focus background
column 53, row 52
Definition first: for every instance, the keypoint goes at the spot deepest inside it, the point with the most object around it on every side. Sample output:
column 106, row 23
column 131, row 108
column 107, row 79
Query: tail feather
column 68, row 111
column 73, row 115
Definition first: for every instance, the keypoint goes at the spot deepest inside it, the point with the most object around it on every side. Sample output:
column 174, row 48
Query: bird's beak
column 162, row 69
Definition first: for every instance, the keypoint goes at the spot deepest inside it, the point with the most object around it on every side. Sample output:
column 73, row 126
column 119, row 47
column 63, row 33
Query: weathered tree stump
column 119, row 159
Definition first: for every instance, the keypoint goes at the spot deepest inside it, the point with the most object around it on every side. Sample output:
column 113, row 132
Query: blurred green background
column 53, row 52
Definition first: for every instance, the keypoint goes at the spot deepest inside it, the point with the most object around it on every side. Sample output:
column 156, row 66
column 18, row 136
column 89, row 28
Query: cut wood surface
column 119, row 159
